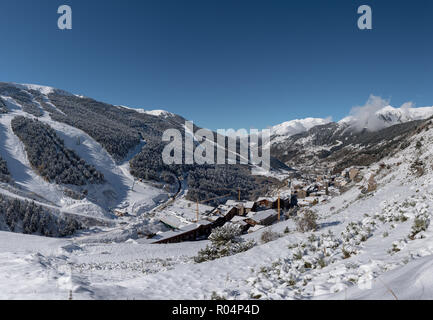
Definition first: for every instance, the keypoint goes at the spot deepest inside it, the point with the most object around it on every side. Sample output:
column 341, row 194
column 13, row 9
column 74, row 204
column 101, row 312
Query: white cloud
column 365, row 116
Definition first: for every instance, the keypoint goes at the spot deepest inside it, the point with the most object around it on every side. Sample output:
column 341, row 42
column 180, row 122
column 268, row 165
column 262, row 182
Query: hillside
column 49, row 157
column 367, row 246
column 86, row 204
column 91, row 158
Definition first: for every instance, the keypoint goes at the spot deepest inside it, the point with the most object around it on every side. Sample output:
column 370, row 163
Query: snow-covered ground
column 362, row 251
column 368, row 246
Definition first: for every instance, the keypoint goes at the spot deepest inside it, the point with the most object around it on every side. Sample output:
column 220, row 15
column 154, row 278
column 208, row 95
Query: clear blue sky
column 224, row 63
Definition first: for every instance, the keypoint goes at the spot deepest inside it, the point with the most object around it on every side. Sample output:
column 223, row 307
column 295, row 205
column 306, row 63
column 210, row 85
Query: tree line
column 50, row 158
column 29, row 218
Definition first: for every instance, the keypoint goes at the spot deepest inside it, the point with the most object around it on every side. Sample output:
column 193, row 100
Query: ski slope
column 101, row 199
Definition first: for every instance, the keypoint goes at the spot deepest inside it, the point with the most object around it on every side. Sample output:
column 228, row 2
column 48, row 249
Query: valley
column 344, row 212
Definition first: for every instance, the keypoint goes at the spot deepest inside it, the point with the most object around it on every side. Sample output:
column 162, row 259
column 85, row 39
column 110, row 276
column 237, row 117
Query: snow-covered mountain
column 156, row 113
column 386, row 117
column 73, row 166
column 359, row 138
column 83, row 157
column 368, row 246
column 290, row 128
column 363, row 118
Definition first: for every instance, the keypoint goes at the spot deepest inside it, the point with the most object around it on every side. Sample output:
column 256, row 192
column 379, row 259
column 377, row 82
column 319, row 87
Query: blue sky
column 224, row 63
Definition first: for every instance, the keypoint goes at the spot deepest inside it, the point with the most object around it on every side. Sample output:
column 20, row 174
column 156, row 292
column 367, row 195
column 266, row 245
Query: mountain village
column 191, row 221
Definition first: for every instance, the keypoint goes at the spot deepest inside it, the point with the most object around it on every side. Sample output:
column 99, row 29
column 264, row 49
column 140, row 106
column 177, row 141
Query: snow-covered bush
column 417, row 168
column 306, row 221
column 420, row 224
column 225, row 241
column 217, row 297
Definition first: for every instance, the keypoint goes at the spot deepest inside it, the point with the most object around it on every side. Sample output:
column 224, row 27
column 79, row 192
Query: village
column 192, row 221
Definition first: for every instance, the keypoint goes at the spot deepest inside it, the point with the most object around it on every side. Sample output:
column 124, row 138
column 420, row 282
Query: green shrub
column 225, row 241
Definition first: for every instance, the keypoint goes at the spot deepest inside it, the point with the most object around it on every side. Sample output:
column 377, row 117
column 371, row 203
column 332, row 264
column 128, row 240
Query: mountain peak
column 296, row 126
column 385, row 117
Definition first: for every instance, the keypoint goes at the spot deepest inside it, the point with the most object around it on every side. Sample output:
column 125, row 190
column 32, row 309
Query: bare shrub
column 417, row 168
column 307, row 221
column 269, row 235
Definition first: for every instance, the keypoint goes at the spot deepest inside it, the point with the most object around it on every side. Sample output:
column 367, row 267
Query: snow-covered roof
column 263, row 215
column 231, row 203
column 170, row 220
column 237, row 218
column 204, row 223
column 255, row 228
column 249, row 204
column 271, row 199
column 241, row 222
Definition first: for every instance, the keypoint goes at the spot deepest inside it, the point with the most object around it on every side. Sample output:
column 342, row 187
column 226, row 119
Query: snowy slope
column 383, row 259
column 370, row 117
column 101, row 198
column 384, row 263
column 289, row 128
column 156, row 113
column 365, row 247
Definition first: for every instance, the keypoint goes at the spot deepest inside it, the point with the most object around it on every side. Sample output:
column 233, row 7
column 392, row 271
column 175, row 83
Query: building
column 190, row 232
column 170, row 220
column 249, row 206
column 243, row 207
column 265, row 218
column 267, row 202
column 228, row 212
column 240, row 221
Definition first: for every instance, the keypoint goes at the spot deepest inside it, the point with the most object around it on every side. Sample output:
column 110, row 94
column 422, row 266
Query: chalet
column 266, row 202
column 240, row 221
column 190, row 232
column 171, row 220
column 243, row 207
column 216, row 220
column 265, row 218
column 223, row 214
column 231, row 203
column 249, row 206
